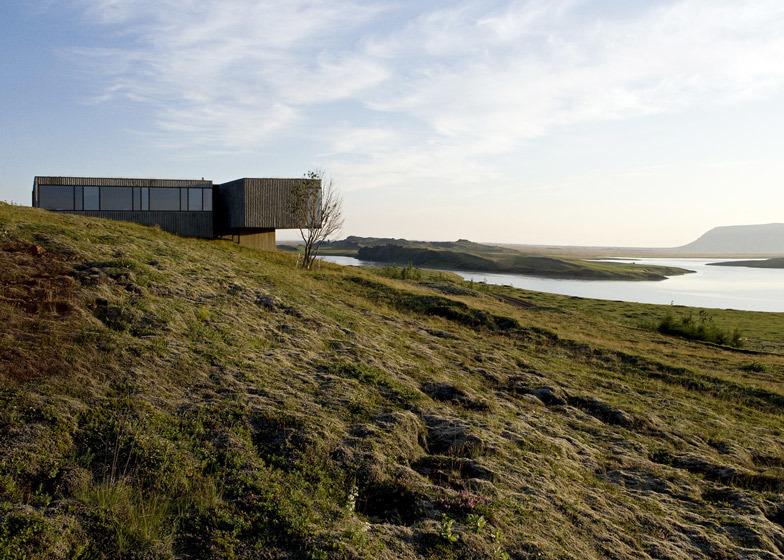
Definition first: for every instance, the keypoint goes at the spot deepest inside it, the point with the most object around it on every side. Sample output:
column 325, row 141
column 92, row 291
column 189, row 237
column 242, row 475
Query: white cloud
column 234, row 71
column 409, row 92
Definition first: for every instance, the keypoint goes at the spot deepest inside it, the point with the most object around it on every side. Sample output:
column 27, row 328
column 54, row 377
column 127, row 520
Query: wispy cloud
column 425, row 89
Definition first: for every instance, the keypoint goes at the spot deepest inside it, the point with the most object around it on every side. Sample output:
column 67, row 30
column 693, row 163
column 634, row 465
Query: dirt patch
column 389, row 502
column 37, row 298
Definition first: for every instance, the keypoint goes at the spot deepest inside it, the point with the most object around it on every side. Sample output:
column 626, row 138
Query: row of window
column 190, row 199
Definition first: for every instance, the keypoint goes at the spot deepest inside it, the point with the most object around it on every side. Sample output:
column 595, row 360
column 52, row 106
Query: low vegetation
column 177, row 398
column 700, row 327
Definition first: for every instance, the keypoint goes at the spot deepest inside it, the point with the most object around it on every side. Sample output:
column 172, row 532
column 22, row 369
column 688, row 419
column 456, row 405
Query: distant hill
column 756, row 239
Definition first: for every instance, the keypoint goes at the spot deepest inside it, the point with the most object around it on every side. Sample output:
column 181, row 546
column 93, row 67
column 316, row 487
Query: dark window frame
column 92, row 198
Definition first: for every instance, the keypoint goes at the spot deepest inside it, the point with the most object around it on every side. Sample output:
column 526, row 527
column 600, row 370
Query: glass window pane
column 164, row 199
column 137, row 198
column 78, row 198
column 194, row 200
column 145, row 198
column 208, row 200
column 55, row 197
column 91, row 197
column 116, row 198
column 183, row 199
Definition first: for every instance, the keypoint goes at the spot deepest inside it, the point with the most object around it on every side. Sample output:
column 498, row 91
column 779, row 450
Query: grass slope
column 176, row 398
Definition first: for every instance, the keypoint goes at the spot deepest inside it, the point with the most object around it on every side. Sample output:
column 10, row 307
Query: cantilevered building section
column 250, row 210
column 247, row 211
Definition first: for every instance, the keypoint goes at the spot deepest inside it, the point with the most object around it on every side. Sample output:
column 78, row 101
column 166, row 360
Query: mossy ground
column 177, row 398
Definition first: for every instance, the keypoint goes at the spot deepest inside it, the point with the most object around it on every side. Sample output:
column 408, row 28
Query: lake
column 720, row 287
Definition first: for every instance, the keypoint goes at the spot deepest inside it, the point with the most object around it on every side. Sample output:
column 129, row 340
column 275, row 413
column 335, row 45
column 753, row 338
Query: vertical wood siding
column 259, row 203
column 190, row 224
column 118, row 182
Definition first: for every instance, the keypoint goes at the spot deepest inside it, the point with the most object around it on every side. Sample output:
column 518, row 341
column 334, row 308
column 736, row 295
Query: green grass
column 179, row 398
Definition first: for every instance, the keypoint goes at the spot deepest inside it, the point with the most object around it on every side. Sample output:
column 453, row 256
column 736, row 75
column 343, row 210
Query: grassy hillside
column 166, row 397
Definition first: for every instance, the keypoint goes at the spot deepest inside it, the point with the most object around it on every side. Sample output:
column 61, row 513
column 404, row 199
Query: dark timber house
column 247, row 211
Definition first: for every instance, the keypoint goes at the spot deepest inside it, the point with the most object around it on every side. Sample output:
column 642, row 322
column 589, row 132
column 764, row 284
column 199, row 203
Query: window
column 194, row 200
column 108, row 198
column 116, row 198
column 164, row 199
column 91, row 198
column 56, row 197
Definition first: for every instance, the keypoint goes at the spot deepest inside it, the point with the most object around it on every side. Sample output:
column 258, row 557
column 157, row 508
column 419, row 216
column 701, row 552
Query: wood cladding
column 259, row 203
column 120, row 182
column 189, row 224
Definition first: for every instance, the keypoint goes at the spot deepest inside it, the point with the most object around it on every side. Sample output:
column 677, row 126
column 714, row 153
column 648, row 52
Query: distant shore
column 513, row 262
column 767, row 263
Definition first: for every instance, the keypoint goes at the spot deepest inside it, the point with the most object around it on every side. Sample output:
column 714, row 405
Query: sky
column 558, row 122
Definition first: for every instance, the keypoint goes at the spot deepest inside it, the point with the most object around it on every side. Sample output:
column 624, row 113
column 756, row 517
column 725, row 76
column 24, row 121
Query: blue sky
column 621, row 123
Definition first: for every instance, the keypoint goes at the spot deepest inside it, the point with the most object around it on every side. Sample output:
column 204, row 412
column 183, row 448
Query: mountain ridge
column 759, row 239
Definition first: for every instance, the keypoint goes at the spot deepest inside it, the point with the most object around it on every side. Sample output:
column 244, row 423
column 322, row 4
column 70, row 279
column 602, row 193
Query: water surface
column 720, row 287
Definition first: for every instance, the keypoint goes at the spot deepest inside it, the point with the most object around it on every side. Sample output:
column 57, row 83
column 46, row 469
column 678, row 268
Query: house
column 247, row 211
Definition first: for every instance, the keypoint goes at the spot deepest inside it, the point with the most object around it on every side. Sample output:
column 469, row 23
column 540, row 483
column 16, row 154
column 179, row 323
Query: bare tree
column 318, row 207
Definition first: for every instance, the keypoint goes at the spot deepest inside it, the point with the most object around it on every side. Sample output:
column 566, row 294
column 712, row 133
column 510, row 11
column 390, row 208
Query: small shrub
column 446, row 528
column 477, row 522
column 406, row 273
column 701, row 328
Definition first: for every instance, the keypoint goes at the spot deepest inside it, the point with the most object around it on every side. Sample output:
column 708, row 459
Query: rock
column 604, row 412
column 468, row 469
column 268, row 301
column 440, row 334
column 448, row 393
column 453, row 437
column 551, row 396
column 407, row 432
column 531, row 383
column 75, row 481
